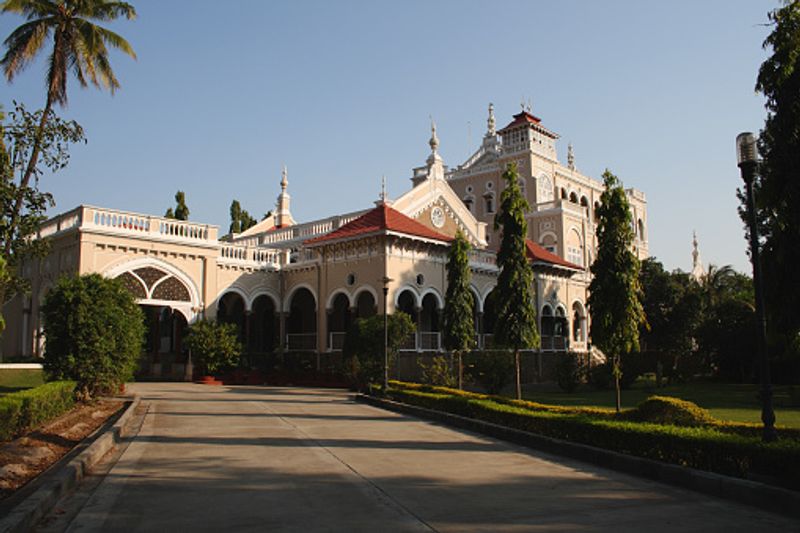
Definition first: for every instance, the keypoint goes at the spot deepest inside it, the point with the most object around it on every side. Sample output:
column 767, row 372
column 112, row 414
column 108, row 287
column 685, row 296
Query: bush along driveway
column 690, row 438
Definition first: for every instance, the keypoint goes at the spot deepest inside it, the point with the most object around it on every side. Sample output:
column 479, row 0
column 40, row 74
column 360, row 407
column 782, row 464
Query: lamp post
column 385, row 280
column 747, row 159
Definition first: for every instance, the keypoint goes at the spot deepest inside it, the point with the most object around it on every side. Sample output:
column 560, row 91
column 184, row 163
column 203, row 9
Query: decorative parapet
column 482, row 259
column 309, row 230
column 250, row 256
column 123, row 223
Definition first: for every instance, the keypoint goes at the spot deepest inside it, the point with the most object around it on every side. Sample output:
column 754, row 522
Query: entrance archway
column 302, row 325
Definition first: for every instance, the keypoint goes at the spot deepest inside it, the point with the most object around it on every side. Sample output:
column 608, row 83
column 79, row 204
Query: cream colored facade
column 289, row 289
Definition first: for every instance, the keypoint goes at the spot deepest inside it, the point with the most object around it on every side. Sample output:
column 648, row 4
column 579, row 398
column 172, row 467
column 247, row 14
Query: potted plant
column 215, row 348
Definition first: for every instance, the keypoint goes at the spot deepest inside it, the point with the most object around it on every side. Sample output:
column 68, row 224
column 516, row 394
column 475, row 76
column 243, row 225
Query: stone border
column 767, row 497
column 21, row 366
column 29, row 511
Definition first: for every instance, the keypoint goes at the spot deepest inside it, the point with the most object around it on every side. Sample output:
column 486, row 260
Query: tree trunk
column 460, row 371
column 26, row 177
column 518, row 372
column 616, row 382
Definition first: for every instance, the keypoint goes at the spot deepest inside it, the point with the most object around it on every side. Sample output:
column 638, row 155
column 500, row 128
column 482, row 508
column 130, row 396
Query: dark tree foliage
column 94, row 332
column 516, row 316
column 240, row 218
column 459, row 326
column 672, row 302
column 363, row 346
column 777, row 187
column 18, row 222
column 181, row 211
column 615, row 293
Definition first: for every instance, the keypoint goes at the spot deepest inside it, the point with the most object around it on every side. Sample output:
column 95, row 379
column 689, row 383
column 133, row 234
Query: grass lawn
column 19, row 379
column 738, row 403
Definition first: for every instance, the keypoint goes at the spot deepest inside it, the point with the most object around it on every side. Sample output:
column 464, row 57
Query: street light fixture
column 747, row 159
column 385, row 280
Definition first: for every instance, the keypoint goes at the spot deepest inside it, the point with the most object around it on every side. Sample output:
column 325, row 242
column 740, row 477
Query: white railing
column 301, row 341
column 249, row 255
column 430, row 340
column 482, row 259
column 125, row 223
column 336, row 340
column 308, row 230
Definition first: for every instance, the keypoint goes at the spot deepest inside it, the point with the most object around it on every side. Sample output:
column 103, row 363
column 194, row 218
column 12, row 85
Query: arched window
column 573, row 197
column 563, row 193
column 469, row 201
column 641, row 229
column 489, row 199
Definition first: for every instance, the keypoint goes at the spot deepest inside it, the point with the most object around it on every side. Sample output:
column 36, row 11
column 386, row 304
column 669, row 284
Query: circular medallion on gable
column 437, row 217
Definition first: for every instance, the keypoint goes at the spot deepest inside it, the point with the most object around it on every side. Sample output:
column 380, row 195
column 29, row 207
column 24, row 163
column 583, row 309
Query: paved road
column 286, row 459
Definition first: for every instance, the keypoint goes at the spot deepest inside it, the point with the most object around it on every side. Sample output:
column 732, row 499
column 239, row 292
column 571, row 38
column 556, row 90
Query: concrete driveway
column 291, row 459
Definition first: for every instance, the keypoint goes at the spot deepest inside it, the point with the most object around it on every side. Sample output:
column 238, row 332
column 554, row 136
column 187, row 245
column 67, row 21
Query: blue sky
column 341, row 92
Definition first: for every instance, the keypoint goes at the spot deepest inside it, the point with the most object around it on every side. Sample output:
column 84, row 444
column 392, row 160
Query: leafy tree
column 181, row 212
column 240, row 218
column 363, row 346
column 94, row 332
column 5, row 277
column 777, row 185
column 79, row 46
column 214, row 346
column 672, row 303
column 615, row 293
column 516, row 316
column 18, row 223
column 459, row 326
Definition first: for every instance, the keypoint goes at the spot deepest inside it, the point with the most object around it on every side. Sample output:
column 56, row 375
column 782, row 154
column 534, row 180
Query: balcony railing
column 301, row 341
column 336, row 340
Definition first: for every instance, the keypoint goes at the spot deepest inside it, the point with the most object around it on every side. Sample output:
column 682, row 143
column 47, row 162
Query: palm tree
column 79, row 46
column 715, row 282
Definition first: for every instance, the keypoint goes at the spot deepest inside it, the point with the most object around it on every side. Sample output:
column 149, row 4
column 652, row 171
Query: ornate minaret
column 282, row 215
column 697, row 265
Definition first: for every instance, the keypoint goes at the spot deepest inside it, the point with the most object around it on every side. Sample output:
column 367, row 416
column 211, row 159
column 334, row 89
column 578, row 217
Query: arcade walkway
column 284, row 459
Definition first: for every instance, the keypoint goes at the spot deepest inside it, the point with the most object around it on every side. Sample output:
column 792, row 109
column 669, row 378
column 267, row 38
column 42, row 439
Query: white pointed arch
column 287, row 302
column 269, row 293
column 436, row 295
column 332, row 296
column 414, row 293
column 365, row 288
column 188, row 309
column 478, row 299
column 237, row 290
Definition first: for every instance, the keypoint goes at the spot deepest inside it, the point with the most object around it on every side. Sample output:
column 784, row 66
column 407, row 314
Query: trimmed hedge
column 671, row 411
column 23, row 410
column 702, row 448
column 745, row 429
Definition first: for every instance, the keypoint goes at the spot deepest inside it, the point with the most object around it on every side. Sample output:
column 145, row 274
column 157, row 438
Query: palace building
column 297, row 286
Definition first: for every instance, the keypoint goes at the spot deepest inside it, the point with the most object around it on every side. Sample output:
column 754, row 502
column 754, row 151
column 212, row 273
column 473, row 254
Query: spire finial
column 530, row 105
column 383, row 188
column 570, row 157
column 284, row 178
column 434, row 142
column 490, row 122
column 522, row 104
column 697, row 265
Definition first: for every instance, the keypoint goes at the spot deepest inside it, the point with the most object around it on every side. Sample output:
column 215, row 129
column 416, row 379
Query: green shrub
column 22, row 410
column 439, row 372
column 94, row 332
column 701, row 448
column 569, row 373
column 492, row 369
column 672, row 411
column 364, row 345
column 214, row 346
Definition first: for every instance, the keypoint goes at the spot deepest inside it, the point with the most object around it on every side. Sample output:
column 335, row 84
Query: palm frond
column 105, row 10
column 23, row 44
column 31, row 9
column 116, row 40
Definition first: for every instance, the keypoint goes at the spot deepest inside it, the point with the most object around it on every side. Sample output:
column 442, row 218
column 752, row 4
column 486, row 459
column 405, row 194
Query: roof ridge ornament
column 434, row 142
column 490, row 122
column 284, row 178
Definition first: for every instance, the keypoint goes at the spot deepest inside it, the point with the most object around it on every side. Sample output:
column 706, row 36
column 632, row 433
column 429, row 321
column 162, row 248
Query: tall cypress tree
column 516, row 316
column 459, row 326
column 615, row 292
column 777, row 185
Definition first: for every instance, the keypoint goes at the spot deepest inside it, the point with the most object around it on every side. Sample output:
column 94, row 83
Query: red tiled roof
column 537, row 253
column 382, row 218
column 522, row 118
